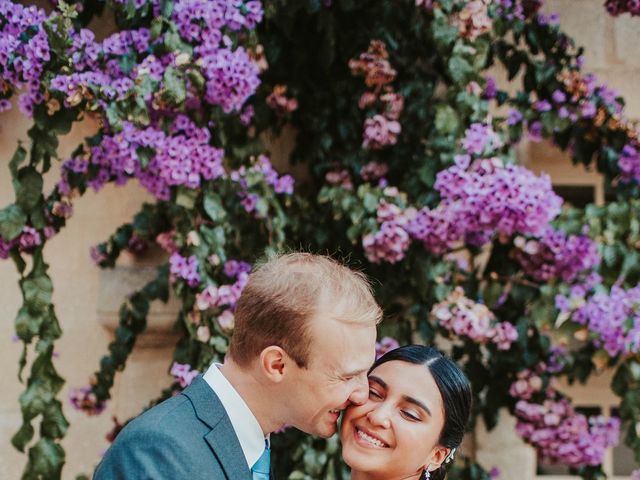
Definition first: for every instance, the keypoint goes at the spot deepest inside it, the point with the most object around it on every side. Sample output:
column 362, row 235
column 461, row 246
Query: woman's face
column 395, row 433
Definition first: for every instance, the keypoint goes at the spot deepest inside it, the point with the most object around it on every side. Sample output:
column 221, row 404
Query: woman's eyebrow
column 406, row 398
column 418, row 403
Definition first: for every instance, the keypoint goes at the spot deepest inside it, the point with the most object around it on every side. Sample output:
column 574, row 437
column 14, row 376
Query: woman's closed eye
column 411, row 415
column 374, row 394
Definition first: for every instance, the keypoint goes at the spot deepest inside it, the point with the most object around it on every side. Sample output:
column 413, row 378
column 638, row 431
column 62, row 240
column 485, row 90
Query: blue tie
column 260, row 469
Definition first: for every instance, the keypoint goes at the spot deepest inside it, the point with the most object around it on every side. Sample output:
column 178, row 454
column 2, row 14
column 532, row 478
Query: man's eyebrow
column 355, row 373
column 418, row 403
column 378, row 380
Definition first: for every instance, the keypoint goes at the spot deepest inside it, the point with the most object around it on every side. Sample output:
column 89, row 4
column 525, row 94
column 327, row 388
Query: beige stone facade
column 87, row 299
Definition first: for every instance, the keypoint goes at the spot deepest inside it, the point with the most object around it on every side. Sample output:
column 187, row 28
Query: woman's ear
column 437, row 456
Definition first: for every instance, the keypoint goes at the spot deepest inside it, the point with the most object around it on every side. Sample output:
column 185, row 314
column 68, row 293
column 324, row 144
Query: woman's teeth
column 371, row 440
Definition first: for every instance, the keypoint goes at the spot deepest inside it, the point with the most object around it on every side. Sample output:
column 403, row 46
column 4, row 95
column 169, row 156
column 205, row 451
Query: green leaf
column 174, row 85
column 23, row 436
column 620, row 382
column 370, row 202
column 447, row 121
column 12, row 221
column 54, row 424
column 166, row 7
column 213, row 206
column 37, row 291
column 46, row 459
column 459, row 69
column 28, row 187
column 28, row 324
column 186, row 197
column 18, row 157
column 443, row 32
column 145, row 154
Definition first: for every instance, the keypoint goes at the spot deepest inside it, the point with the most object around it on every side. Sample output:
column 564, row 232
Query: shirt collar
column 245, row 424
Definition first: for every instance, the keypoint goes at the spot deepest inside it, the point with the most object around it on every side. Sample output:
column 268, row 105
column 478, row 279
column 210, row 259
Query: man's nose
column 361, row 392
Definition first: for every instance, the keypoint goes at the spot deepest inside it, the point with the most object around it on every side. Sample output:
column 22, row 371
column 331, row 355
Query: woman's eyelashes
column 410, row 415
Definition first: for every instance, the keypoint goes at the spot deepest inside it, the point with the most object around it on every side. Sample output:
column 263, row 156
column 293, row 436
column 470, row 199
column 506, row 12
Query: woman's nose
column 379, row 417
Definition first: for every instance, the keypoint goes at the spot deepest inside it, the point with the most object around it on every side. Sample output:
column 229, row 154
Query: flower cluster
column 261, row 169
column 5, row 248
column 339, row 178
column 185, row 268
column 158, row 160
column 473, row 20
column 279, row 102
column 225, row 295
column 490, row 197
column 619, row 7
column 222, row 299
column 391, row 241
column 481, row 139
column 556, row 255
column 466, row 318
column 383, row 128
column 629, row 162
column 556, row 430
column 183, row 373
column 613, row 317
column 24, row 52
column 519, row 9
column 373, row 171
column 386, row 344
column 85, row 400
column 579, row 98
column 478, row 200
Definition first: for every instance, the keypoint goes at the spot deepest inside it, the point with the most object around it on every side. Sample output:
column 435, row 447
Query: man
column 303, row 340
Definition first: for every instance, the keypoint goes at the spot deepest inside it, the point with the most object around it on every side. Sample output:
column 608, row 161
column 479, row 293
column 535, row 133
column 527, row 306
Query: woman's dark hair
column 454, row 387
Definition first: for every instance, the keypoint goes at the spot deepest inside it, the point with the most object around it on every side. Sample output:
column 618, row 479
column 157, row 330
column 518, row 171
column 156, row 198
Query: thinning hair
column 284, row 293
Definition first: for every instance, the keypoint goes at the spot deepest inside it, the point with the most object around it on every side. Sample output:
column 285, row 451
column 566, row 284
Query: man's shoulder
column 167, row 418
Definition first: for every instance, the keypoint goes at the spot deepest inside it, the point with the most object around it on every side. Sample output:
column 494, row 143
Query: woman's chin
column 360, row 459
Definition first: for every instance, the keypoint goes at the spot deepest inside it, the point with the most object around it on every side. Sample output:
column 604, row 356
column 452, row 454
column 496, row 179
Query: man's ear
column 437, row 456
column 274, row 362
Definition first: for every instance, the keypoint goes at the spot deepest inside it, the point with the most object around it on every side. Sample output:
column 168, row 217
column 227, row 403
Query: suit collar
column 222, row 438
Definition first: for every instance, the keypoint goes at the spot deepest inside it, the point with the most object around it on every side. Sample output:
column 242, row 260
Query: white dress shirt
column 244, row 422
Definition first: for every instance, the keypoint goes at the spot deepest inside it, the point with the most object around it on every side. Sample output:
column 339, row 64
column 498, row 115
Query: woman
column 418, row 408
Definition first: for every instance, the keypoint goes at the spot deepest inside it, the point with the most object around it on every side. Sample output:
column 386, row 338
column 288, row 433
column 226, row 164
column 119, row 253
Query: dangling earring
column 427, row 473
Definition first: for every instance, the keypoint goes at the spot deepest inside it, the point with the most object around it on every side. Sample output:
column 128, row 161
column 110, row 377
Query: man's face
column 336, row 374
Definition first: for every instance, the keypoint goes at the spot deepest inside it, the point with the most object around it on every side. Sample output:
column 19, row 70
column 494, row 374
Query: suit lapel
column 222, row 438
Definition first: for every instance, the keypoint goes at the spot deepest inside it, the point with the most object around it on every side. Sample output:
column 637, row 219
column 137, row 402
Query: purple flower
column 557, row 255
column 559, row 96
column 85, row 400
column 535, row 131
column 588, row 109
column 542, row 106
column 514, row 117
column 185, row 268
column 385, row 345
column 183, row 373
column 29, row 239
column 480, row 138
column 380, row 132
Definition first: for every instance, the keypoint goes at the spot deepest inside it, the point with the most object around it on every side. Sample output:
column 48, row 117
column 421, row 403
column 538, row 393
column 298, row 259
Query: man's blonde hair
column 284, row 293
